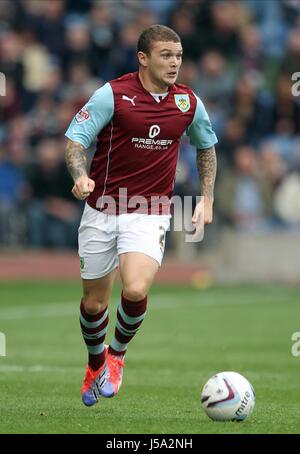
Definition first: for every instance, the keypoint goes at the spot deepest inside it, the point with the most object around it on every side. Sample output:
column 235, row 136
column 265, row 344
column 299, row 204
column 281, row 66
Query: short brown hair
column 155, row 33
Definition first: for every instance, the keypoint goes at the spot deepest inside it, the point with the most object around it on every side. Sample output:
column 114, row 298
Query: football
column 228, row 396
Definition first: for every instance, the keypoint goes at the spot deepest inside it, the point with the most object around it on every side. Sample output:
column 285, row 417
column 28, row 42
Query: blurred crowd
column 239, row 57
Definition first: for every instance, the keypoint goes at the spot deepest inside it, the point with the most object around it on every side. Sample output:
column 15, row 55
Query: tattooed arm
column 76, row 159
column 76, row 163
column 207, row 168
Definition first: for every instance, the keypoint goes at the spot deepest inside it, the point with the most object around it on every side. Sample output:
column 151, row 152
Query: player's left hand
column 203, row 213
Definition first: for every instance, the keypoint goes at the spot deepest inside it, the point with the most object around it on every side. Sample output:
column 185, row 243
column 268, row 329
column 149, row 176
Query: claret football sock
column 130, row 315
column 93, row 328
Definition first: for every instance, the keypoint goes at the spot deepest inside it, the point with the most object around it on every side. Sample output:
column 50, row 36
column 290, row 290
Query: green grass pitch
column 187, row 336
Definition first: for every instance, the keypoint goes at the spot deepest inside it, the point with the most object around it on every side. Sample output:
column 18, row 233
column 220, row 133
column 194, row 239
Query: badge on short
column 83, row 264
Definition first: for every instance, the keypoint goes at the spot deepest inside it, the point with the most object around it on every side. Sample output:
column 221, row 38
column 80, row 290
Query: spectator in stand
column 269, row 17
column 123, row 57
column 46, row 19
column 286, row 142
column 81, row 84
column 243, row 195
column 11, row 64
column 184, row 22
column 253, row 108
column 272, row 164
column 287, row 200
column 79, row 47
column 290, row 63
column 10, row 104
column 226, row 19
column 251, row 50
column 103, row 35
column 53, row 215
column 13, row 191
column 233, row 137
column 286, row 106
column 162, row 9
column 216, row 80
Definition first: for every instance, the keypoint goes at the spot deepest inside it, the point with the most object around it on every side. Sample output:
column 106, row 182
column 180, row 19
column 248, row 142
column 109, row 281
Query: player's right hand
column 83, row 187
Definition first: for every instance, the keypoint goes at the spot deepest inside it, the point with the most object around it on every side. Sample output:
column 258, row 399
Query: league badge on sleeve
column 82, row 115
column 182, row 102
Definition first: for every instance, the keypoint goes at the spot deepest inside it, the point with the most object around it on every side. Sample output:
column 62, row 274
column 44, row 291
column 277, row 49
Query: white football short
column 103, row 237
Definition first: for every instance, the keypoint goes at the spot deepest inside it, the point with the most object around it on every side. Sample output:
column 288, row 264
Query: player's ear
column 142, row 58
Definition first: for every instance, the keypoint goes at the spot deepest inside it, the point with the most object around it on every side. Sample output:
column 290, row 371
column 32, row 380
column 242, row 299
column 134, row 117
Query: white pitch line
column 37, row 368
column 156, row 302
column 30, row 311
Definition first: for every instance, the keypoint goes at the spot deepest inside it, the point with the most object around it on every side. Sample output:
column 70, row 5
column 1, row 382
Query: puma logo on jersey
column 129, row 99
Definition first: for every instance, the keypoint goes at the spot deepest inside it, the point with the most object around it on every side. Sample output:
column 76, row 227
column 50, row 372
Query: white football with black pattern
column 228, row 396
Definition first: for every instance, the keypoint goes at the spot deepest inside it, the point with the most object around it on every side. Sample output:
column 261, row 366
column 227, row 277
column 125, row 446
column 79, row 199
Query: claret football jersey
column 138, row 141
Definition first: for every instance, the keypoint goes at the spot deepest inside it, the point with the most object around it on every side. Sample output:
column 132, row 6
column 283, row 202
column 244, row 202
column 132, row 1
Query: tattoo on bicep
column 207, row 168
column 76, row 159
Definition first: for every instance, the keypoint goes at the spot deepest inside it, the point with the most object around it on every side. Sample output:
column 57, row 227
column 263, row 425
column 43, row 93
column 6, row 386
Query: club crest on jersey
column 82, row 115
column 182, row 102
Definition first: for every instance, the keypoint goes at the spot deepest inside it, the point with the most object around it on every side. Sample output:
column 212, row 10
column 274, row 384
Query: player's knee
column 135, row 292
column 94, row 305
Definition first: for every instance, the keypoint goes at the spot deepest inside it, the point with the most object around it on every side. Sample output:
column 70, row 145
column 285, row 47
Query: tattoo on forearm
column 207, row 168
column 75, row 159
